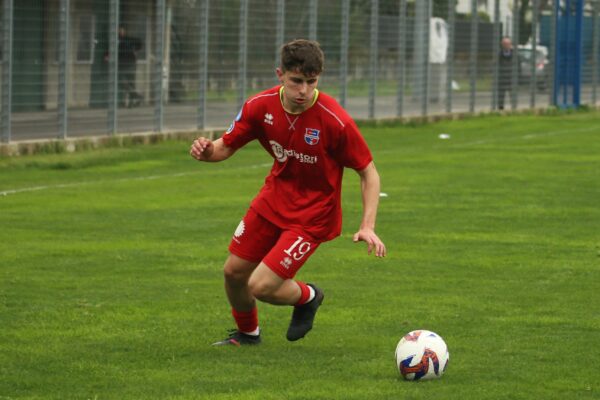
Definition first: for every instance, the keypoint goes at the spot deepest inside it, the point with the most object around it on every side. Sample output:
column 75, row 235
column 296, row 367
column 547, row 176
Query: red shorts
column 283, row 251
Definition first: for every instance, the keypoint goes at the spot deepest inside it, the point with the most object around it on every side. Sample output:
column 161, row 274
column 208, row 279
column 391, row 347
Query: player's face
column 298, row 89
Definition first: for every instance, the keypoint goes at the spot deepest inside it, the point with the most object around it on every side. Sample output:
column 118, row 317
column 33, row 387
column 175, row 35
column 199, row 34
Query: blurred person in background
column 505, row 61
column 128, row 49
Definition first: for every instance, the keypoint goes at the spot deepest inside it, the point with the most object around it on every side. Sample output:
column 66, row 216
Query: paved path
column 182, row 117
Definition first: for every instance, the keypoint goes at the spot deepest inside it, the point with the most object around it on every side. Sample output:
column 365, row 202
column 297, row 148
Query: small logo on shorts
column 239, row 231
column 286, row 263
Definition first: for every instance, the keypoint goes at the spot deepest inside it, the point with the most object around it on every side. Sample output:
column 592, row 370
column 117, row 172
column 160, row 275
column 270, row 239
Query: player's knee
column 262, row 290
column 234, row 275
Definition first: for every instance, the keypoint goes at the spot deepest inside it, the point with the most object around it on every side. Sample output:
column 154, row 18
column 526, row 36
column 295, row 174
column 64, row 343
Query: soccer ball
column 422, row 355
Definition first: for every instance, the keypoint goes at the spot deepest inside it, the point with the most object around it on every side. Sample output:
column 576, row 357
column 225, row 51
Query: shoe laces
column 232, row 333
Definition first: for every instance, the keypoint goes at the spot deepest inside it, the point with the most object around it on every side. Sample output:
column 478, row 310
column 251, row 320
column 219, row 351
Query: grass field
column 111, row 283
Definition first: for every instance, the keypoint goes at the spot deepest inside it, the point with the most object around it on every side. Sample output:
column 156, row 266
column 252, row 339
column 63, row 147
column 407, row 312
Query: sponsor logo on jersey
column 269, row 118
column 282, row 154
column 311, row 136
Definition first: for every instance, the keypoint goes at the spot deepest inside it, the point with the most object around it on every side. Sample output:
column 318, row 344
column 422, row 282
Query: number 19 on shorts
column 298, row 249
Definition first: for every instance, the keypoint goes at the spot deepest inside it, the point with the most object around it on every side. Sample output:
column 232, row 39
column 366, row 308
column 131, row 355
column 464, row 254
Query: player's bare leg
column 269, row 287
column 237, row 272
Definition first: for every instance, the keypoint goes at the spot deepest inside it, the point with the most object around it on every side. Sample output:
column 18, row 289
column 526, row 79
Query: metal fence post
column 113, row 65
column 450, row 54
column 401, row 62
column 373, row 54
column 533, row 82
column 496, row 55
column 427, row 69
column 344, row 52
column 203, row 63
column 7, row 59
column 280, row 33
column 552, row 58
column 473, row 55
column 243, row 49
column 312, row 19
column 578, row 59
column 595, row 40
column 514, row 84
column 559, row 54
column 63, row 68
column 159, row 66
column 421, row 54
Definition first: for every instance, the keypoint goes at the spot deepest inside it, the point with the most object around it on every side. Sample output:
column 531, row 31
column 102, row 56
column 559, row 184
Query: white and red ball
column 422, row 355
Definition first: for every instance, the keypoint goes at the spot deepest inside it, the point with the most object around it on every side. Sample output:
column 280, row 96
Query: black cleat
column 237, row 338
column 304, row 315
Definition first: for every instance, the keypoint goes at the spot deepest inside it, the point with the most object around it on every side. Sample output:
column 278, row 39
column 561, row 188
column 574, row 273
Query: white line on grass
column 137, row 178
column 528, row 136
column 501, row 138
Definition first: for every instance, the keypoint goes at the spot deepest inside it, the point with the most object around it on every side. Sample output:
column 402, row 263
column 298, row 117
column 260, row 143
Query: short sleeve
column 353, row 151
column 241, row 130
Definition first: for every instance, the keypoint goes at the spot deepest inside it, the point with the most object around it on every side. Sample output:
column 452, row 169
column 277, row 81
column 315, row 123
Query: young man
column 311, row 139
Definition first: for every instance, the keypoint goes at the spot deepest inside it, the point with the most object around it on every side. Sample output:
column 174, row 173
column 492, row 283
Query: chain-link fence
column 95, row 67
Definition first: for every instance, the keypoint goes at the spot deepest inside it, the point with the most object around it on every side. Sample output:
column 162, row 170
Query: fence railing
column 77, row 67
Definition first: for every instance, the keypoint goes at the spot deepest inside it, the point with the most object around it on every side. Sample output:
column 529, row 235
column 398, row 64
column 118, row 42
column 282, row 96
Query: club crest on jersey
column 237, row 119
column 311, row 136
column 239, row 116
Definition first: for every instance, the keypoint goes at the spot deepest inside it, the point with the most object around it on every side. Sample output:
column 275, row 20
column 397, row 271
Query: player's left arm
column 370, row 186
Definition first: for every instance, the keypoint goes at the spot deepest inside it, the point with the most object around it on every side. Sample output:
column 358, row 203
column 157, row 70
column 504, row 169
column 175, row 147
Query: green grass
column 111, row 283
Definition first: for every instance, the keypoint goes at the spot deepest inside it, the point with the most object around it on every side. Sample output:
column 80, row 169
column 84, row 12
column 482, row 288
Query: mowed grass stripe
column 138, row 178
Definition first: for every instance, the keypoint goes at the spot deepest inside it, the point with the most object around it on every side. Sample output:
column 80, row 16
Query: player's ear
column 279, row 73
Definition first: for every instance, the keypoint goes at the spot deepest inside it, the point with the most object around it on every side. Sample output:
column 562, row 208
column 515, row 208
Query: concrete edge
column 75, row 144
column 70, row 145
column 432, row 118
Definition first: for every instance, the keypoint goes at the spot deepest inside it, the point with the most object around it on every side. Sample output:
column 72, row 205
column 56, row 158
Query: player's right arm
column 241, row 131
column 204, row 149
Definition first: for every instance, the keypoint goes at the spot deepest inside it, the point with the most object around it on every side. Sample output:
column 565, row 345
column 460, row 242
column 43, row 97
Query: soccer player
column 311, row 139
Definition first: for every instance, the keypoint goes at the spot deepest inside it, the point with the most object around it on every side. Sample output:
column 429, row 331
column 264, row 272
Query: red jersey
column 310, row 151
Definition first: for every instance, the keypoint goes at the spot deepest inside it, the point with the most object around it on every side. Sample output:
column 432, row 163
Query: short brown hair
column 304, row 56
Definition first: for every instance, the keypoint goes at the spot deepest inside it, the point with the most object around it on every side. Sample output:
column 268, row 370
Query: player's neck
column 291, row 108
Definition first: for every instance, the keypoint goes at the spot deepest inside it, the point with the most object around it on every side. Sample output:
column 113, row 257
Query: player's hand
column 373, row 242
column 202, row 149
